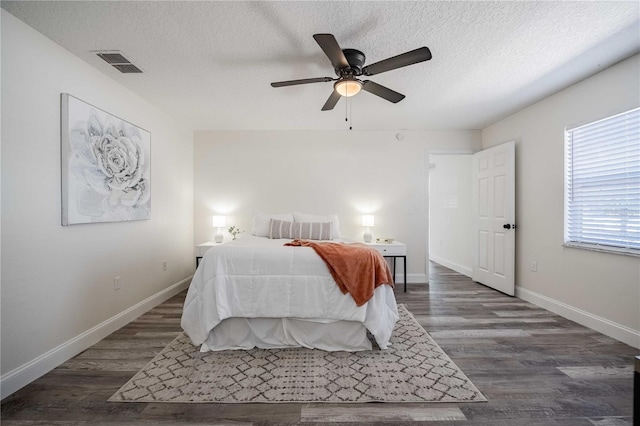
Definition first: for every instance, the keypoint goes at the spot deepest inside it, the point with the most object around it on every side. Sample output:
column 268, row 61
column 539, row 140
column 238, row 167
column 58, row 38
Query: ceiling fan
column 348, row 66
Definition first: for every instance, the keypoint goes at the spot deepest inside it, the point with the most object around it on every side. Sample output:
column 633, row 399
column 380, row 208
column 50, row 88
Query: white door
column 494, row 217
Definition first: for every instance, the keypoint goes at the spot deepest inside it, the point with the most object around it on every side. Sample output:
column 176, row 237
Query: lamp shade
column 348, row 87
column 219, row 221
column 367, row 220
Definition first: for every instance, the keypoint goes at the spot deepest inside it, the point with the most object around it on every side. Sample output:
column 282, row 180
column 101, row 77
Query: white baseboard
column 612, row 329
column 416, row 279
column 26, row 373
column 464, row 270
column 411, row 279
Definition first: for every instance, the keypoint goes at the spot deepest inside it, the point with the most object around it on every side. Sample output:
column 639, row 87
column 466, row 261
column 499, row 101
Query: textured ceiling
column 209, row 64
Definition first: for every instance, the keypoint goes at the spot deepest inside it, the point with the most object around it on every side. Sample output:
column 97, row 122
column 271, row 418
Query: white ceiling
column 209, row 64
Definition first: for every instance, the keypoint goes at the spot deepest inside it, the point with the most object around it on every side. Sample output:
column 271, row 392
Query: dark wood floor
column 534, row 367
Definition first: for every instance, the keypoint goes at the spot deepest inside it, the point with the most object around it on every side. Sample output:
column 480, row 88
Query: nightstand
column 393, row 250
column 201, row 249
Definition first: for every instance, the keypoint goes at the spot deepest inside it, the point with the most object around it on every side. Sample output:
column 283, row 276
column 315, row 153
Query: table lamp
column 367, row 221
column 219, row 222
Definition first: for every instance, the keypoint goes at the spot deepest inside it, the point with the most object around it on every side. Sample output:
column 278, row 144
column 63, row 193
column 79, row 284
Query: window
column 602, row 184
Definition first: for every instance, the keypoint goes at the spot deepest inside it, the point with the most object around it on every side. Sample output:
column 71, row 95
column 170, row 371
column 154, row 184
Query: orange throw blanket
column 356, row 268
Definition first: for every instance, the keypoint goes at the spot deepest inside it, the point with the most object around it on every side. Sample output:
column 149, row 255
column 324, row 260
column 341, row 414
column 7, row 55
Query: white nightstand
column 201, row 249
column 393, row 250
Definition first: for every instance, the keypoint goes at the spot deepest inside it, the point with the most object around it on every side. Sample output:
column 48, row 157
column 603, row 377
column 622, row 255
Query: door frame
column 427, row 168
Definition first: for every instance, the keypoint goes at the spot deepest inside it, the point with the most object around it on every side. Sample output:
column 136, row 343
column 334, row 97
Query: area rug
column 413, row 369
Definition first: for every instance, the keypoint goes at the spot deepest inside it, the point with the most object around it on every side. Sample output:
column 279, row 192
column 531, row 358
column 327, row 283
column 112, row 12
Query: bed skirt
column 266, row 333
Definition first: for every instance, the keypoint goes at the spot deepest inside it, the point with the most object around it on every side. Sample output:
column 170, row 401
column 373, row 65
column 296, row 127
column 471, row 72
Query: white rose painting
column 105, row 166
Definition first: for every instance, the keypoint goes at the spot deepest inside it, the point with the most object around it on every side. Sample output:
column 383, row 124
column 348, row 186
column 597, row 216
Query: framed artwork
column 106, row 166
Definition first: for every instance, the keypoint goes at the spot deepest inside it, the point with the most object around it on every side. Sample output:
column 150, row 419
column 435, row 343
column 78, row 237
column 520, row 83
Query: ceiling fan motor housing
column 356, row 61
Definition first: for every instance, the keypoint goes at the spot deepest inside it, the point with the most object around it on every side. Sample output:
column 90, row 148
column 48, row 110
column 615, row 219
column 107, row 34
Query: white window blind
column 602, row 202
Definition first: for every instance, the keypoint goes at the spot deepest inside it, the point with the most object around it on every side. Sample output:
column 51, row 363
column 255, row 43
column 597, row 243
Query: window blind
column 602, row 202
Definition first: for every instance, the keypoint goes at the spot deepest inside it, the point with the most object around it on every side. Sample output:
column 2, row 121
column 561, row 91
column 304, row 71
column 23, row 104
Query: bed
column 256, row 292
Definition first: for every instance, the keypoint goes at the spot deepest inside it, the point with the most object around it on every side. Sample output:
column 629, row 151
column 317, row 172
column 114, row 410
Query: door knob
column 506, row 226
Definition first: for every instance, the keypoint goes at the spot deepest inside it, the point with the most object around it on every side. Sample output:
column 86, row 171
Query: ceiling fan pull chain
column 347, row 112
column 346, row 109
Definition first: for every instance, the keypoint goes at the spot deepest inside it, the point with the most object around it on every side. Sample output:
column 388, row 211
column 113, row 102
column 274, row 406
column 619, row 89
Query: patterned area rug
column 414, row 369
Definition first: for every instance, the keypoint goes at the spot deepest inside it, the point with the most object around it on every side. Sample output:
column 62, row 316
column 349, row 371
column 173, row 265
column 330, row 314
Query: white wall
column 450, row 214
column 57, row 282
column 343, row 172
column 597, row 289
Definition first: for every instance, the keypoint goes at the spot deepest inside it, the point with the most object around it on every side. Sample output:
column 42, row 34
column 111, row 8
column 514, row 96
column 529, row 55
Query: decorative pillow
column 333, row 218
column 260, row 224
column 300, row 230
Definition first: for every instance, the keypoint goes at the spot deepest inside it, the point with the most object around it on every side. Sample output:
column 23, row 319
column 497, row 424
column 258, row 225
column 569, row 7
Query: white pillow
column 333, row 218
column 261, row 221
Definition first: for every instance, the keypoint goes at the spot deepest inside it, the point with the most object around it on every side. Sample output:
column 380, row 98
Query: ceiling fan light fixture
column 348, row 87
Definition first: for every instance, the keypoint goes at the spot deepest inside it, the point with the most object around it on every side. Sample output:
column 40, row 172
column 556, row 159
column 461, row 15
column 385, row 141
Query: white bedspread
column 255, row 277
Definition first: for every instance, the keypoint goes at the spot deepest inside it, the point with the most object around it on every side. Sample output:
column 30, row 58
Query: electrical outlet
column 534, row 266
column 116, row 283
column 164, row 266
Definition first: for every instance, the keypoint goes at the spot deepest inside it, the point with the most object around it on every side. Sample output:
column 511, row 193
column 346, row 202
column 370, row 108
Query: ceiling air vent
column 117, row 60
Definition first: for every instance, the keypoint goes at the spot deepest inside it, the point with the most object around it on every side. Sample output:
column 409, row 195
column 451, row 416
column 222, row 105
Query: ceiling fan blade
column 303, row 81
column 332, row 49
column 409, row 58
column 332, row 101
column 382, row 91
